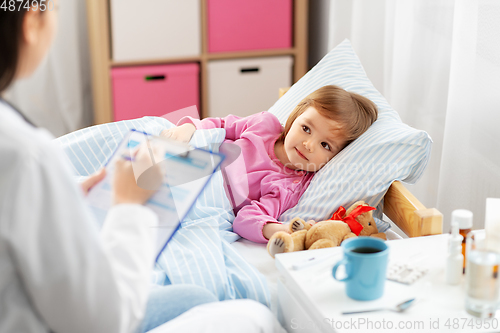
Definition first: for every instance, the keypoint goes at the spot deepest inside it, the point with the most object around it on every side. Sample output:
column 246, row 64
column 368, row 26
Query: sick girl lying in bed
column 276, row 164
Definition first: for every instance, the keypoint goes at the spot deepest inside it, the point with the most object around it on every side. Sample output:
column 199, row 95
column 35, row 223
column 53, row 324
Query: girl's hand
column 271, row 228
column 181, row 133
column 139, row 187
column 311, row 222
column 92, row 180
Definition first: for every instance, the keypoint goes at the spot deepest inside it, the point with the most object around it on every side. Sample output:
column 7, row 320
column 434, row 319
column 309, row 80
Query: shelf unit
column 98, row 16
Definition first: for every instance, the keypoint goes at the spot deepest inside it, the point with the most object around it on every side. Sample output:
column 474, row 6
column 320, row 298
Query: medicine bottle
column 492, row 227
column 464, row 219
column 454, row 261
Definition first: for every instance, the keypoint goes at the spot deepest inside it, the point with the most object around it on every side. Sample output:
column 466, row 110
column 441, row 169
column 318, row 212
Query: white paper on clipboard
column 187, row 171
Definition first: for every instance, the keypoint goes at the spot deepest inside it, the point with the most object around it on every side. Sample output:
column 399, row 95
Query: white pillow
column 364, row 170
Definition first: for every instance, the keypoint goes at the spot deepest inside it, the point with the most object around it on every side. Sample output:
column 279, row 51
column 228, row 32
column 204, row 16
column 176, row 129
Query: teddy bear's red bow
column 350, row 219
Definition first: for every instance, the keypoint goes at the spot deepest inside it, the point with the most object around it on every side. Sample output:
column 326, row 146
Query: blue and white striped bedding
column 200, row 252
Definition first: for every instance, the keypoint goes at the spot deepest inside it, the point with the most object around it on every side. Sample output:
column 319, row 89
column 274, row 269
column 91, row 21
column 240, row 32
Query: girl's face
column 39, row 29
column 312, row 141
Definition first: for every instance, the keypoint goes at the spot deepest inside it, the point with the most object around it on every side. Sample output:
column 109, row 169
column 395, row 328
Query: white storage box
column 155, row 29
column 246, row 86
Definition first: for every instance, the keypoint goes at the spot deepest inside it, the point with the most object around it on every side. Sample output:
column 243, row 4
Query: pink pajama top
column 258, row 185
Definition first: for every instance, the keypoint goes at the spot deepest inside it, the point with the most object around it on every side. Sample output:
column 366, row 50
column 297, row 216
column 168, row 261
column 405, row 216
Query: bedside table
column 310, row 300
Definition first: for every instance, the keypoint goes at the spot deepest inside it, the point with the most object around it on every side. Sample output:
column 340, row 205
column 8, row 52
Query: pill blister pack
column 405, row 273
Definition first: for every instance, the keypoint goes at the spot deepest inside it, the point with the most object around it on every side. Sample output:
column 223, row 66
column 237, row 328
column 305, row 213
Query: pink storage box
column 154, row 90
column 237, row 25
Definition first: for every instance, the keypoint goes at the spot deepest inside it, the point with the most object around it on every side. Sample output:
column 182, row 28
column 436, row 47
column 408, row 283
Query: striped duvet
column 200, row 252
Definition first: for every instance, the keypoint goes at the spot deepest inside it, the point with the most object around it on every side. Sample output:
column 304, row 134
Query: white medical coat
column 57, row 271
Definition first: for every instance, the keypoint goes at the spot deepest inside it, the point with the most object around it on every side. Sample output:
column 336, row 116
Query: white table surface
column 439, row 307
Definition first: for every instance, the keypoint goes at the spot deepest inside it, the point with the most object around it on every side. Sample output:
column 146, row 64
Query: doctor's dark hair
column 11, row 29
column 354, row 112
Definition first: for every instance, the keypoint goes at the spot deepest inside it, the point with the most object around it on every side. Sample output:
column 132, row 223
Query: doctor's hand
column 128, row 189
column 181, row 133
column 92, row 180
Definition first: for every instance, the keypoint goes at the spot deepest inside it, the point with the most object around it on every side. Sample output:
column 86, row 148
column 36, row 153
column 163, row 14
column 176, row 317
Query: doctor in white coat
column 57, row 272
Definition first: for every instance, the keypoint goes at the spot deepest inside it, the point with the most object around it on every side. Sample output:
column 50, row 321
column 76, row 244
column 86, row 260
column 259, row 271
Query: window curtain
column 58, row 95
column 438, row 64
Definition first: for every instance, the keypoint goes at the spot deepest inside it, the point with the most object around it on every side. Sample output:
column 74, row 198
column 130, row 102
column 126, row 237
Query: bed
column 205, row 251
column 404, row 211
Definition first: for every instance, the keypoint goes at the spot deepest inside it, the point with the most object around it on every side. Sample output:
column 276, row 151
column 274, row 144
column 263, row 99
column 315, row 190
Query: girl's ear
column 31, row 26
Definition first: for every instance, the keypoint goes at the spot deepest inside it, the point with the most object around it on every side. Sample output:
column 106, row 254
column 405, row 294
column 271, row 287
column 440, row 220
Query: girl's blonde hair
column 354, row 112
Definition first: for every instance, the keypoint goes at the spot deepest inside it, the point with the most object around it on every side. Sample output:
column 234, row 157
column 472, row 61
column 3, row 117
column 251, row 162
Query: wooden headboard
column 406, row 211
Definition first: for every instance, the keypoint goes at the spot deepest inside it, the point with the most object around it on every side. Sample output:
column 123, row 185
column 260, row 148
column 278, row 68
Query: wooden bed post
column 409, row 214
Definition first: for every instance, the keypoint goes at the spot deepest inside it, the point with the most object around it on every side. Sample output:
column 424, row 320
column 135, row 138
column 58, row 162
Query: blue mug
column 365, row 261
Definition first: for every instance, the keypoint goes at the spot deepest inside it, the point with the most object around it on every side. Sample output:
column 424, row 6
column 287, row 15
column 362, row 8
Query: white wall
column 58, row 95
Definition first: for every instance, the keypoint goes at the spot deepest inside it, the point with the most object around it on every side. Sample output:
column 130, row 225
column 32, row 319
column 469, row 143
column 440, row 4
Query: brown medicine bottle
column 464, row 219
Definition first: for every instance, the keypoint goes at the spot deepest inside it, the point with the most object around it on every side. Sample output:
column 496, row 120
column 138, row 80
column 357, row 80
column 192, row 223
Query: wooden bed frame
column 404, row 209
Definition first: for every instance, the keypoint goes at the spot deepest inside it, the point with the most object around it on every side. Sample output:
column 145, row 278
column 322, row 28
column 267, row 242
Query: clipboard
column 186, row 171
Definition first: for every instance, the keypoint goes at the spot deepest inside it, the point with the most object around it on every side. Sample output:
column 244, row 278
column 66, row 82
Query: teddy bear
column 356, row 221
